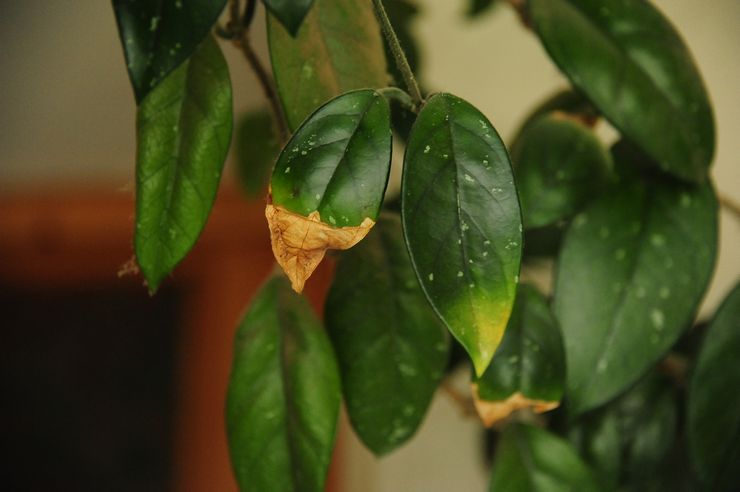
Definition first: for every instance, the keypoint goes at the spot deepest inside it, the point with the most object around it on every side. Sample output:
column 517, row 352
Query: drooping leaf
column 462, row 222
column 290, row 13
column 529, row 458
column 391, row 347
column 626, row 57
column 284, row 395
column 257, row 148
column 560, row 165
column 626, row 440
column 713, row 424
column 528, row 368
column 632, row 270
column 338, row 48
column 329, row 181
column 158, row 35
column 183, row 133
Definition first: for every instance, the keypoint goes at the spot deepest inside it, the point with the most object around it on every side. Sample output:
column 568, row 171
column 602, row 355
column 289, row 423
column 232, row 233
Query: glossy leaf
column 529, row 458
column 391, row 347
column 337, row 162
column 338, row 48
column 560, row 165
column 290, row 13
column 284, row 395
column 713, row 425
column 568, row 101
column 528, row 368
column 632, row 270
column 462, row 222
column 183, row 135
column 158, row 35
column 627, row 440
column 626, row 57
column 257, row 148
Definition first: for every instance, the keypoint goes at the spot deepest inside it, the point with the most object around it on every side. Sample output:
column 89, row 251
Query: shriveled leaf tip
column 491, row 412
column 299, row 243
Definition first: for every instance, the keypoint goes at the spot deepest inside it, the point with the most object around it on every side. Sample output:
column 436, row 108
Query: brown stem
column 240, row 36
column 465, row 404
column 729, row 204
column 521, row 8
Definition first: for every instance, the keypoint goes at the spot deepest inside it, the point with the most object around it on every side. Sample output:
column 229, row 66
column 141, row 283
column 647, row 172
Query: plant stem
column 729, row 204
column 521, row 9
column 237, row 28
column 400, row 57
column 400, row 96
column 465, row 404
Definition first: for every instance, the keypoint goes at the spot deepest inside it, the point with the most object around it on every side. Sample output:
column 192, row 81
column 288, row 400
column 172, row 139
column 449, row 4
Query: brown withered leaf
column 491, row 412
column 299, row 243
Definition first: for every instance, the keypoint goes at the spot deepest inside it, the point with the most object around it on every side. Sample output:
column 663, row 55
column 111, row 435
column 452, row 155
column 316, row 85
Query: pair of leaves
column 626, row 57
column 528, row 368
column 183, row 135
column 159, row 35
column 284, row 395
column 338, row 48
column 627, row 440
column 632, row 270
column 532, row 459
column 713, row 425
column 391, row 347
column 460, row 208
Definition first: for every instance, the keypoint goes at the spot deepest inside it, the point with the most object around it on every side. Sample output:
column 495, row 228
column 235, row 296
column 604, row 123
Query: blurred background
column 105, row 388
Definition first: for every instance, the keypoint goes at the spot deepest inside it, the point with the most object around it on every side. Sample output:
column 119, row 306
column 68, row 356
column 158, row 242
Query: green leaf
column 338, row 161
column 713, row 424
column 626, row 57
column 183, row 134
column 567, row 101
column 560, row 165
column 290, row 13
column 627, row 440
column 338, row 48
column 257, row 148
column 391, row 347
column 632, row 270
column 284, row 395
column 529, row 458
column 158, row 35
column 462, row 222
column 529, row 365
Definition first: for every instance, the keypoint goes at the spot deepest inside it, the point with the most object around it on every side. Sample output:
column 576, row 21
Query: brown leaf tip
column 491, row 412
column 299, row 243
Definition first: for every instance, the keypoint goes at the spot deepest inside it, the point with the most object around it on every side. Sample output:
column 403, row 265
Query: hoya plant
column 606, row 381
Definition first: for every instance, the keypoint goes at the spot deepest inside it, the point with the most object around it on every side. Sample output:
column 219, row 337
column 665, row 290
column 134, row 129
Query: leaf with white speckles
column 183, row 133
column 633, row 268
column 391, row 347
column 462, row 222
column 158, row 35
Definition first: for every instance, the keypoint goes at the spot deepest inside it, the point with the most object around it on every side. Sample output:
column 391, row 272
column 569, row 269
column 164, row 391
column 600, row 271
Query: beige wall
column 67, row 117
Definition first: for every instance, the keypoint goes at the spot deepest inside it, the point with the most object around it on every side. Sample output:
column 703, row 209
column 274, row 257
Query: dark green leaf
column 338, row 161
column 284, row 395
column 560, row 165
column 391, row 347
column 183, row 134
column 626, row 57
column 257, row 148
column 158, row 35
column 338, row 48
column 633, row 267
column 714, row 401
column 531, row 459
column 290, row 13
column 462, row 222
column 627, row 440
column 566, row 101
column 530, row 361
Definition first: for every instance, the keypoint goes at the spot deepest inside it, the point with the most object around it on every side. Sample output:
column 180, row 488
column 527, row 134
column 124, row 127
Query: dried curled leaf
column 491, row 412
column 299, row 243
